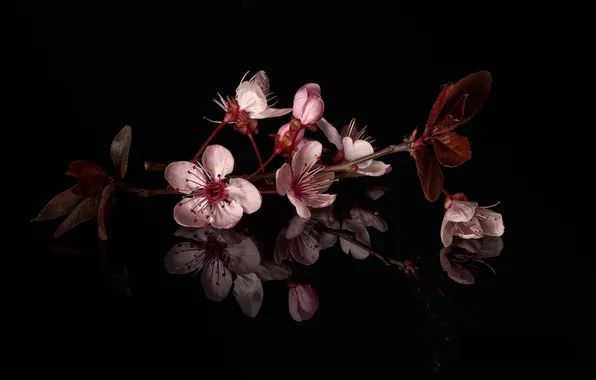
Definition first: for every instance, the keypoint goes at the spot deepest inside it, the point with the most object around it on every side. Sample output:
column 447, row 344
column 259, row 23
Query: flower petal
column 293, row 305
column 270, row 112
column 491, row 222
column 281, row 247
column 456, row 272
column 305, row 249
column 296, row 226
column 362, row 236
column 270, row 271
column 262, row 80
column 184, row 258
column 323, row 180
column 283, row 179
column 184, row 214
column 301, row 208
column 244, row 257
column 354, row 150
column 331, row 133
column 307, row 300
column 119, row 151
column 216, row 280
column 306, row 157
column 185, row 177
column 368, row 219
column 461, row 211
column 328, row 240
column 468, row 230
column 62, row 204
column 301, row 96
column 320, row 200
column 218, row 161
column 491, row 246
column 447, row 228
column 375, row 169
column 245, row 193
column 313, row 109
column 85, row 211
column 225, row 215
column 248, row 292
column 199, row 234
column 251, row 98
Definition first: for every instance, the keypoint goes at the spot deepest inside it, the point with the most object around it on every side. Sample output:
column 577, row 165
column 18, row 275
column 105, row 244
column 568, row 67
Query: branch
column 155, row 166
column 352, row 166
column 150, row 192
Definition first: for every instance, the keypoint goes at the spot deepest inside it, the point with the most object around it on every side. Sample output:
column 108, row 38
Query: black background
column 80, row 72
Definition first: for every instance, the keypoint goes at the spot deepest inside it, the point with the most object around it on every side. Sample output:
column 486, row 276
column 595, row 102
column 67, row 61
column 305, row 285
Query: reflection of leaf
column 57, row 247
column 452, row 149
column 62, row 204
column 120, row 282
column 119, row 151
column 429, row 172
column 92, row 179
column 105, row 207
column 85, row 211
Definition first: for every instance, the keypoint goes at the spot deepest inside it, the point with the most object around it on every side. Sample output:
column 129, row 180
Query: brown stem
column 149, row 192
column 155, row 166
column 254, row 145
column 352, row 166
column 211, row 136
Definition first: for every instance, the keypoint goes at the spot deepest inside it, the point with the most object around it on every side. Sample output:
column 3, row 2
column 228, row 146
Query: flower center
column 215, row 191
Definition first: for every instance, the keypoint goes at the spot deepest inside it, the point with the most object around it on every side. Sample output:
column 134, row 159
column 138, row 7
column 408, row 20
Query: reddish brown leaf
column 92, row 179
column 119, row 151
column 105, row 207
column 452, row 149
column 438, row 106
column 62, row 204
column 85, row 211
column 429, row 172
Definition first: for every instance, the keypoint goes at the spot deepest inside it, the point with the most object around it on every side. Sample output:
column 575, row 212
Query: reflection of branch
column 150, row 192
column 351, row 238
column 352, row 166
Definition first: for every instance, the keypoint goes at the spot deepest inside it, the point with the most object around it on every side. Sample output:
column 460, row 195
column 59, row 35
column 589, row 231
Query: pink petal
column 283, row 179
column 225, row 215
column 244, row 257
column 245, row 193
column 301, row 96
column 178, row 176
column 105, row 207
column 362, row 236
column 306, row 156
column 461, row 211
column 216, row 280
column 491, row 222
column 313, row 109
column 281, row 247
column 305, row 249
column 270, row 271
column 321, row 178
column 375, row 169
column 251, row 98
column 354, row 150
column 62, row 204
column 301, row 208
column 301, row 141
column 218, row 161
column 184, row 258
column 368, row 219
column 447, row 228
column 271, row 112
column 320, row 200
column 293, row 305
column 185, row 216
column 307, row 300
column 468, row 230
column 330, row 132
column 119, row 151
column 248, row 292
column 296, row 226
column 85, row 211
column 262, row 80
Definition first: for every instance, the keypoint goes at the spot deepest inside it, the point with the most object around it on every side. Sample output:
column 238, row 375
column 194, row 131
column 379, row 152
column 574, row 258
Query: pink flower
column 212, row 200
column 303, row 183
column 308, row 104
column 351, row 145
column 462, row 258
column 302, row 301
column 283, row 139
column 468, row 221
column 357, row 223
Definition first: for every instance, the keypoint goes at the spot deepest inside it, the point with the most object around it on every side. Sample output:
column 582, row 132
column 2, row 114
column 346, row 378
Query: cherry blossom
column 468, row 220
column 352, row 144
column 284, row 139
column 303, row 182
column 308, row 104
column 357, row 223
column 462, row 258
column 303, row 301
column 211, row 200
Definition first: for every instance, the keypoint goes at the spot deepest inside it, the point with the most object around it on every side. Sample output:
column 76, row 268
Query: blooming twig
column 352, row 166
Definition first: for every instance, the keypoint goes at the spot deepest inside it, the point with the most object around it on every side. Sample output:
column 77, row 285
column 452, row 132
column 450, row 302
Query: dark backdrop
column 81, row 72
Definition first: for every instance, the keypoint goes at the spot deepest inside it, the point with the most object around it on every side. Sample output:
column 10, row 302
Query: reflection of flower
column 303, row 183
column 302, row 240
column 212, row 200
column 352, row 145
column 303, row 301
column 461, row 259
column 468, row 221
column 357, row 223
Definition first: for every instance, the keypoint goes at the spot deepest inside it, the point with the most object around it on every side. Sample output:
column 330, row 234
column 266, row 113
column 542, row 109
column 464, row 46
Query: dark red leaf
column 105, row 207
column 438, row 106
column 452, row 149
column 62, row 204
column 92, row 179
column 119, row 151
column 85, row 211
column 429, row 172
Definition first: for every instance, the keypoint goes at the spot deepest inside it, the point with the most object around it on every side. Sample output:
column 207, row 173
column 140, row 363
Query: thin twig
column 352, row 166
column 155, row 166
column 150, row 192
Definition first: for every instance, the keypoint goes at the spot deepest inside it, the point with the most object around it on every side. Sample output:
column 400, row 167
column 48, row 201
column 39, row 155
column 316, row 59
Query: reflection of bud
column 303, row 301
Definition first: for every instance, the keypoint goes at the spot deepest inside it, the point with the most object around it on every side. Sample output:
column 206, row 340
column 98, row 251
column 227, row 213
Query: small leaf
column 62, row 204
column 92, row 179
column 85, row 211
column 105, row 207
column 438, row 106
column 452, row 149
column 120, row 149
column 429, row 172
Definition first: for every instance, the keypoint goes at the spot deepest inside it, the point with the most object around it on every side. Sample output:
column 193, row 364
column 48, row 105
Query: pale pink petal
column 301, row 96
column 301, row 208
column 283, row 179
column 325, row 179
column 461, row 211
column 119, row 151
column 218, row 161
column 248, row 292
column 293, row 305
column 457, row 273
column 225, row 215
column 375, row 169
column 270, row 271
column 251, row 98
column 105, row 207
column 362, row 236
column 328, row 240
column 62, row 204
column 184, row 258
column 368, row 218
column 354, row 150
column 86, row 210
column 305, row 249
column 185, row 177
column 331, row 133
column 491, row 222
column 301, row 141
column 306, row 157
column 186, row 216
column 447, row 228
column 245, row 193
column 296, row 226
column 244, row 257
column 271, row 112
column 313, row 109
column 262, row 80
column 308, row 301
column 281, row 247
column 320, row 200
column 216, row 280
column 468, row 230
